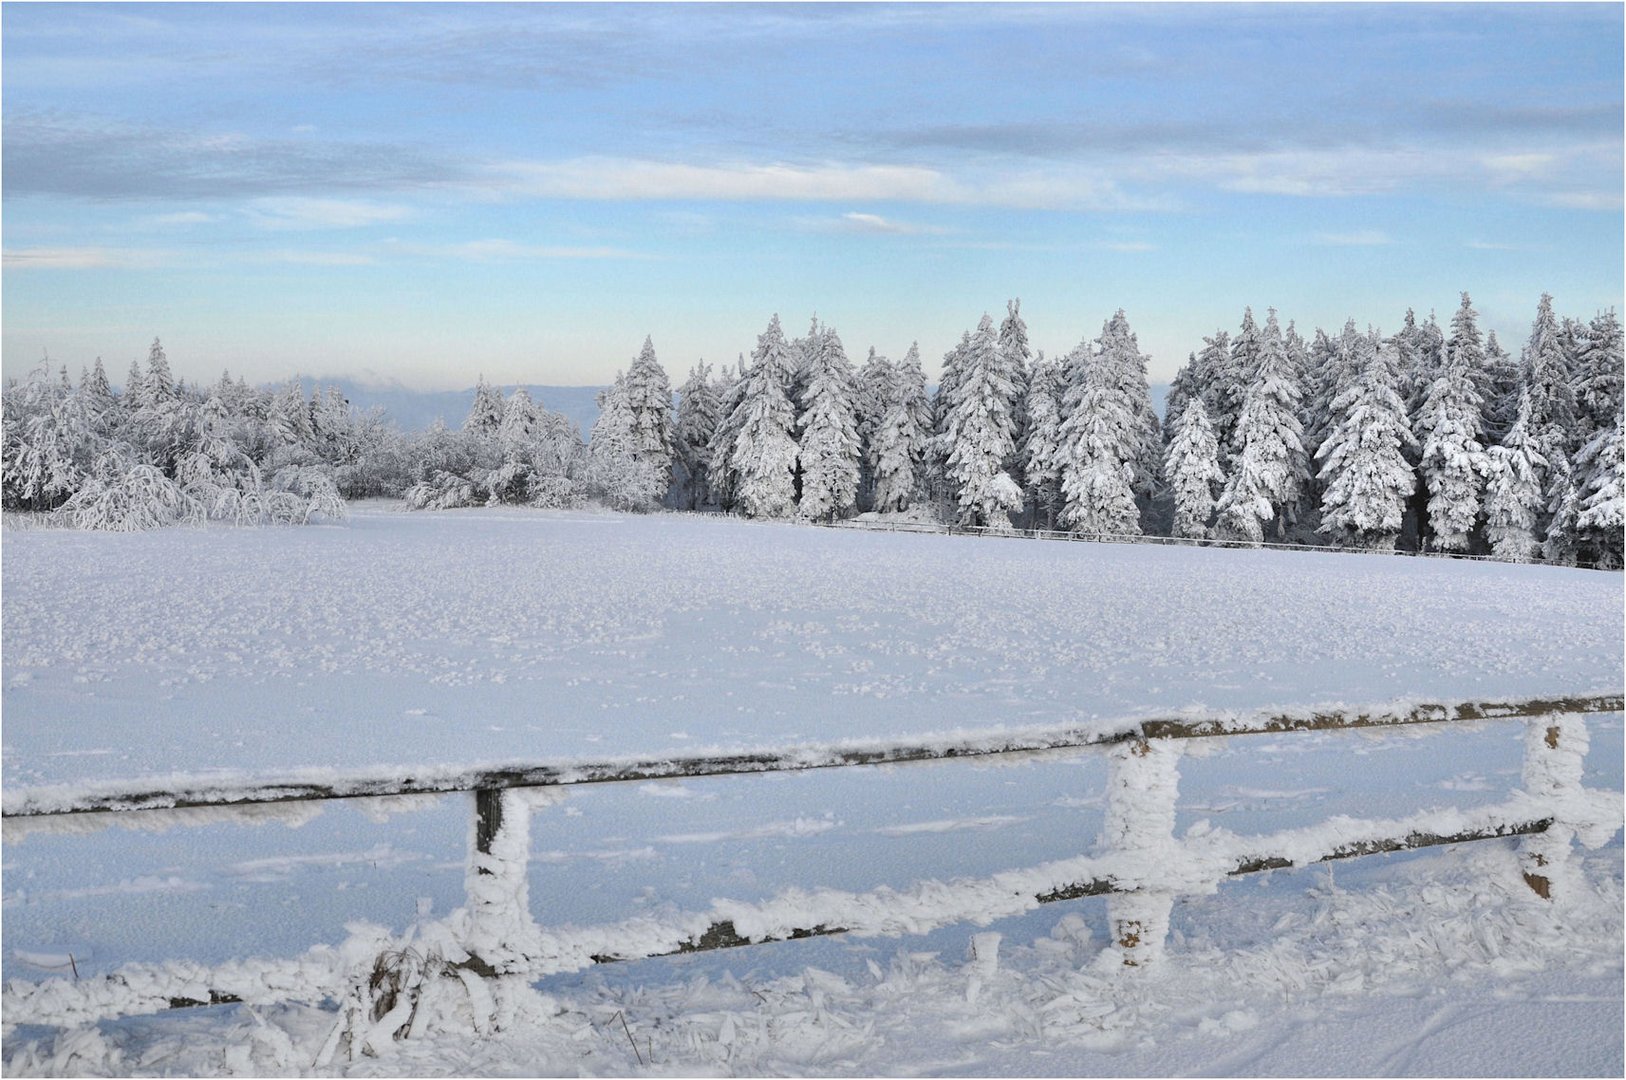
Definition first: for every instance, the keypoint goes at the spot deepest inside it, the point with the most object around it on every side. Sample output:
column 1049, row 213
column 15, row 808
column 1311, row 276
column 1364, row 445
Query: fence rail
column 1142, row 868
column 933, row 528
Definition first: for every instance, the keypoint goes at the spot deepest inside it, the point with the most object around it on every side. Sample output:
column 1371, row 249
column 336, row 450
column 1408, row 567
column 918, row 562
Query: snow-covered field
column 499, row 636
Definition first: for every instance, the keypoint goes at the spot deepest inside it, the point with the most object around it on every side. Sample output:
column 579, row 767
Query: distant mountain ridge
column 415, row 410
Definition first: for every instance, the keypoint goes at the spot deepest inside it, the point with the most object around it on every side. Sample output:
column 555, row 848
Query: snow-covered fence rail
column 492, row 947
column 1147, row 538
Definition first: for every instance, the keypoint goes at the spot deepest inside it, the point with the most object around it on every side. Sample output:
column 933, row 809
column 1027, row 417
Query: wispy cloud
column 81, row 258
column 602, row 178
column 179, row 219
column 502, row 250
column 871, row 224
column 1359, row 238
column 308, row 213
column 1127, row 246
column 315, row 258
column 1582, row 200
column 85, row 157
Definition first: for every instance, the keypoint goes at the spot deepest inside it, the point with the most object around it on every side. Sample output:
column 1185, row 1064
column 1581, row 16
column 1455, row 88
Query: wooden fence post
column 1143, row 782
column 499, row 931
column 1554, row 756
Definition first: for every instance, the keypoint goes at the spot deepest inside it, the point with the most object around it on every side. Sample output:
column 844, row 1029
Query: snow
column 567, row 635
column 328, row 649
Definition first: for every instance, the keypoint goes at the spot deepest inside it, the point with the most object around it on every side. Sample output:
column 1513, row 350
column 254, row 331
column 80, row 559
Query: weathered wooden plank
column 44, row 802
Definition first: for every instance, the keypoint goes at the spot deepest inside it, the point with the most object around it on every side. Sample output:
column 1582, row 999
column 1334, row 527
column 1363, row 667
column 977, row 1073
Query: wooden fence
column 1147, row 538
column 1141, row 868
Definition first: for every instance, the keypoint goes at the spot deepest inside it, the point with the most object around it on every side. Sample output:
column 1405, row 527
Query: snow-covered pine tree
column 1447, row 425
column 649, row 396
column 872, row 398
column 1236, row 375
column 134, row 394
column 1100, row 439
column 1041, row 448
column 485, row 414
column 940, row 486
column 1599, row 375
column 1547, row 376
column 779, row 357
column 981, row 434
column 828, row 447
column 1603, row 500
column 158, row 385
column 698, row 414
column 899, row 445
column 1513, row 496
column 97, row 392
column 1212, row 384
column 517, row 433
column 1364, row 469
column 1192, row 471
column 1126, row 365
column 1505, row 382
column 1182, row 388
column 1268, row 463
column 763, row 458
column 730, row 392
column 620, row 470
column 912, row 385
column 1561, row 542
column 1014, row 360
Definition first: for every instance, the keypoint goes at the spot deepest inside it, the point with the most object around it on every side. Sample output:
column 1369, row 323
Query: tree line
column 1424, row 439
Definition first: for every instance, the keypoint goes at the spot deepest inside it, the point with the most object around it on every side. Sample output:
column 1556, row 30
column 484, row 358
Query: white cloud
column 1360, row 238
column 1582, row 200
column 81, row 258
column 1518, row 166
column 499, row 250
column 184, row 217
column 1127, row 246
column 874, row 224
column 305, row 213
column 317, row 258
column 1486, row 245
column 601, row 178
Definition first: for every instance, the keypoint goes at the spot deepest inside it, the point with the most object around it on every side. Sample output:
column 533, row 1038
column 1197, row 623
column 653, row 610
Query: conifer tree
column 1367, row 479
column 1014, row 359
column 649, row 396
column 520, row 425
column 1447, row 426
column 912, row 385
column 1100, row 436
column 620, row 468
column 485, row 414
column 828, row 447
column 1599, row 375
column 763, row 458
column 1505, row 383
column 1042, row 447
column 1603, row 500
column 1547, row 377
column 159, row 386
column 1513, row 497
column 730, row 391
column 698, row 414
column 1269, row 469
column 1192, row 471
column 981, row 434
column 774, row 357
column 872, row 398
column 1213, row 386
column 900, row 444
column 134, row 395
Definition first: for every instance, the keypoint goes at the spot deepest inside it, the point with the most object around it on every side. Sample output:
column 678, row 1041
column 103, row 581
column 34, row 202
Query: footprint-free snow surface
column 486, row 636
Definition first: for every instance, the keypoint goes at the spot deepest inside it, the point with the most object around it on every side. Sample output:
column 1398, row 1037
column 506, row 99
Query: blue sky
column 426, row 192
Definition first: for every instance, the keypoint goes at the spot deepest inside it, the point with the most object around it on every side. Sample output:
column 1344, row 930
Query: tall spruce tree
column 828, row 447
column 1041, row 447
column 1192, row 471
column 1603, row 500
column 1599, row 375
column 981, row 434
column 1268, row 464
column 698, row 414
column 649, row 396
column 1513, row 492
column 1367, row 479
column 763, row 458
column 485, row 414
column 1447, row 425
column 872, row 398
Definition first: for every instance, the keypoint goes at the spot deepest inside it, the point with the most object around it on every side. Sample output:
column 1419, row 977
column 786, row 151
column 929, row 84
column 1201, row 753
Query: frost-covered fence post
column 1143, row 780
column 498, row 930
column 1554, row 755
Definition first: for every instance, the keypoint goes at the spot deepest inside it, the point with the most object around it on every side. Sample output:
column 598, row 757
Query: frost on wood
column 1143, row 780
column 1554, row 761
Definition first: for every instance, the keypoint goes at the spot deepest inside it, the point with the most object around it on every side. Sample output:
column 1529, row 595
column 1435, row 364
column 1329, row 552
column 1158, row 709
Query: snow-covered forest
column 1430, row 438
